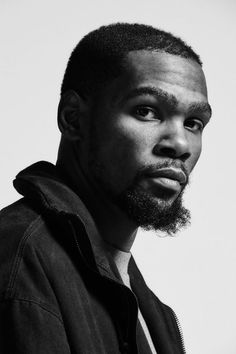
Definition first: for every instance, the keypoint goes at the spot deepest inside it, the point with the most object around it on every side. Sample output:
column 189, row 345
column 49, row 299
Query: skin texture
column 151, row 116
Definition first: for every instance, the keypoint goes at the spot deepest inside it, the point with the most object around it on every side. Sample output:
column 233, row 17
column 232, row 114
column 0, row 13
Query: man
column 132, row 111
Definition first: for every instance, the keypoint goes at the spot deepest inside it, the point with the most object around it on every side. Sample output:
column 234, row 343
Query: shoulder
column 29, row 247
column 16, row 217
column 16, row 222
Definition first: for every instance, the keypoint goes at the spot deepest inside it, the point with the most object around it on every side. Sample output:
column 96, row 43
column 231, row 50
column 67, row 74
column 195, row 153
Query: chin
column 154, row 212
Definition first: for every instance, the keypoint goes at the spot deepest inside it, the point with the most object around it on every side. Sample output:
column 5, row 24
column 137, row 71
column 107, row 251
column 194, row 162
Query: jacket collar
column 43, row 184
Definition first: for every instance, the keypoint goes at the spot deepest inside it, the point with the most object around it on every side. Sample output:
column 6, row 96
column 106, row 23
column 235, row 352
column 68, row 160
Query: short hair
column 99, row 57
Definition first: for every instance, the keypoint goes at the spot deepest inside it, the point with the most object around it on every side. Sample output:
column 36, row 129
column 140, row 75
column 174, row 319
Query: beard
column 152, row 213
column 142, row 207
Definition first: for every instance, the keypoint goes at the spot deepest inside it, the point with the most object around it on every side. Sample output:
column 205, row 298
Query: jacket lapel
column 153, row 312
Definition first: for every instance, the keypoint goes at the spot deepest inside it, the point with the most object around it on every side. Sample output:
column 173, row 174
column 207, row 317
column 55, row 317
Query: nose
column 173, row 141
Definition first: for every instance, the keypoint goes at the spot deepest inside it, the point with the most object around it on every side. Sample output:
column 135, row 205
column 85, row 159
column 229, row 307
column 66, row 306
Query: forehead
column 177, row 76
column 165, row 70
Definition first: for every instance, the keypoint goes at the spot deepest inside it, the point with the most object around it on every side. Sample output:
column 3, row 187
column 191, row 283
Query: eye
column 194, row 124
column 146, row 113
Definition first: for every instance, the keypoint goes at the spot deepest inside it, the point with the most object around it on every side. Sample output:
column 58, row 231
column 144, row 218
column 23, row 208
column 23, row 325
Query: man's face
column 146, row 135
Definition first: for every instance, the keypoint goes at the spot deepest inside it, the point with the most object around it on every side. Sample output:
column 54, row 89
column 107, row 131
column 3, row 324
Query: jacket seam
column 41, row 305
column 16, row 263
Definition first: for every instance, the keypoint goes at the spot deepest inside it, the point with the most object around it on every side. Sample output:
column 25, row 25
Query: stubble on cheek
column 112, row 162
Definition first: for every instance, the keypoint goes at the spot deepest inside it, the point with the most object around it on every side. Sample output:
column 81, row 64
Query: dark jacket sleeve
column 27, row 327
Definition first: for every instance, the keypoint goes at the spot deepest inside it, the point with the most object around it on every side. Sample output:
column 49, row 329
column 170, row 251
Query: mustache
column 151, row 169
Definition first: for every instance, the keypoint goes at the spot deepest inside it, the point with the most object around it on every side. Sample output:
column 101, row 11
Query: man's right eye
column 146, row 113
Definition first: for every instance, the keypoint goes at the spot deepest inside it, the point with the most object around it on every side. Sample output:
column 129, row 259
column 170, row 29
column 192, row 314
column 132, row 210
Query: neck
column 113, row 224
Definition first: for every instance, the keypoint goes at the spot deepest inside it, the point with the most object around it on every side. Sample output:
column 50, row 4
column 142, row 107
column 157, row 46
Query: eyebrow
column 169, row 99
column 201, row 107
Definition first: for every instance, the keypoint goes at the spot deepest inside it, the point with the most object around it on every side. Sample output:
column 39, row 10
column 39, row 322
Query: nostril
column 170, row 152
column 165, row 151
column 184, row 156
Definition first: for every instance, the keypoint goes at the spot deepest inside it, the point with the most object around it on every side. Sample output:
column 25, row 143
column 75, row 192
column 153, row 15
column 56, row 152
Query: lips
column 170, row 173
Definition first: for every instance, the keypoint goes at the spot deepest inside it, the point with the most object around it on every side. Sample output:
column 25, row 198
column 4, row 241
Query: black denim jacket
column 59, row 292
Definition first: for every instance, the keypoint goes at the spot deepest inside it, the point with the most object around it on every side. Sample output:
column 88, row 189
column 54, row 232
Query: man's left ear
column 71, row 112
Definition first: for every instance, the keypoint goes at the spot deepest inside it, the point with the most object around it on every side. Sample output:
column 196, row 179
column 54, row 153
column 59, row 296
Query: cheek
column 124, row 151
column 124, row 154
column 132, row 143
column 195, row 154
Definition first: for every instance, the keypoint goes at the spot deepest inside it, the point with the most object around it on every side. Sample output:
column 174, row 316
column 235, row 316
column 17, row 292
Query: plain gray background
column 193, row 272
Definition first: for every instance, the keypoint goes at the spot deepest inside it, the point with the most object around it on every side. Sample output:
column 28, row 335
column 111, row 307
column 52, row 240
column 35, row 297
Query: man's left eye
column 194, row 124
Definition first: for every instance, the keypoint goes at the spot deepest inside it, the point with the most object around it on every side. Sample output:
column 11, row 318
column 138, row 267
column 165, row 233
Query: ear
column 71, row 112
